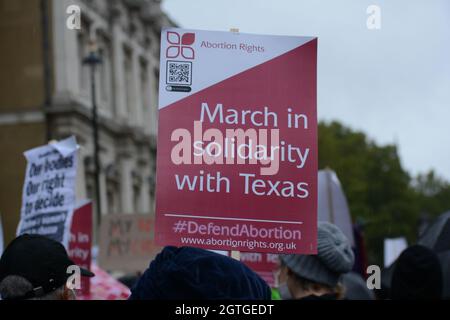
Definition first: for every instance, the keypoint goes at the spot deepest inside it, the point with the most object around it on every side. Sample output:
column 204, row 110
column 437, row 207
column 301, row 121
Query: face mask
column 285, row 294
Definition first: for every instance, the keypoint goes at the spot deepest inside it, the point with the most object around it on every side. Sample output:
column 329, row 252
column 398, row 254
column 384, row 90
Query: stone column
column 103, row 193
column 145, row 206
column 126, row 185
column 136, row 87
column 151, row 116
column 65, row 50
column 119, row 74
column 81, row 176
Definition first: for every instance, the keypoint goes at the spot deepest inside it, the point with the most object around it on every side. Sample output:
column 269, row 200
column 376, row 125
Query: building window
column 83, row 76
column 128, row 67
column 145, row 89
column 90, row 191
column 113, row 195
column 156, row 77
column 105, row 75
column 137, row 199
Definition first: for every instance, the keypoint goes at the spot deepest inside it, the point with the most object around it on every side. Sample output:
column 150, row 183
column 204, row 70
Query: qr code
column 179, row 73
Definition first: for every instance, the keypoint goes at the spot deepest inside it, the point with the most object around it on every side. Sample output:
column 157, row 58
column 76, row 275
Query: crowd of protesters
column 34, row 267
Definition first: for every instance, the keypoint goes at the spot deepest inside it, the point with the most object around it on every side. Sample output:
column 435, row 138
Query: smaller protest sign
column 48, row 196
column 264, row 264
column 127, row 242
column 392, row 249
column 81, row 240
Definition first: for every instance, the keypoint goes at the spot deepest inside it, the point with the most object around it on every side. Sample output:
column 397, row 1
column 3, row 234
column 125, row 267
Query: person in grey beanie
column 311, row 277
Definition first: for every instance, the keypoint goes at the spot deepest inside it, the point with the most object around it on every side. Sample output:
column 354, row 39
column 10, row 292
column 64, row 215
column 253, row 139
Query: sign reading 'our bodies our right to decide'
column 48, row 197
column 237, row 144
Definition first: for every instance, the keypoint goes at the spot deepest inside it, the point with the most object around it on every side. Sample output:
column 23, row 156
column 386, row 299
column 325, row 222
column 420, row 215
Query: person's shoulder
column 322, row 297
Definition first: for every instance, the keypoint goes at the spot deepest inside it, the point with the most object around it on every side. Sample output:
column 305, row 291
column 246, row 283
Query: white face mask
column 284, row 291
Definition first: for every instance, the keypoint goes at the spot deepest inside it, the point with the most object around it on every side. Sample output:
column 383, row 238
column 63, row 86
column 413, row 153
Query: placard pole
column 234, row 253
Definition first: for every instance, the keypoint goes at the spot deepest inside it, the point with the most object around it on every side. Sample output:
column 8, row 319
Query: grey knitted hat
column 334, row 257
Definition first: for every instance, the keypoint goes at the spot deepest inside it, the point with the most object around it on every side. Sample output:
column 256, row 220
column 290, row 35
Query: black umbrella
column 356, row 287
column 437, row 235
column 445, row 263
column 386, row 279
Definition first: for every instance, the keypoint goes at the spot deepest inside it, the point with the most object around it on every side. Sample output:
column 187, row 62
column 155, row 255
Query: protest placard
column 237, row 142
column 81, row 241
column 393, row 248
column 48, row 196
column 127, row 242
column 264, row 264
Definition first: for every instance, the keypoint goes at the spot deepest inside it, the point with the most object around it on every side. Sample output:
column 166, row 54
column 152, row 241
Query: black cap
column 40, row 260
column 417, row 275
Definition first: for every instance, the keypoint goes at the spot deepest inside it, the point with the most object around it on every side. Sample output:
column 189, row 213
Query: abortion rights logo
column 179, row 73
column 180, row 45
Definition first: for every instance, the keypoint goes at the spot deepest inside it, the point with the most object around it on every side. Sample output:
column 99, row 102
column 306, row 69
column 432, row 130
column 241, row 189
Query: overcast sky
column 392, row 83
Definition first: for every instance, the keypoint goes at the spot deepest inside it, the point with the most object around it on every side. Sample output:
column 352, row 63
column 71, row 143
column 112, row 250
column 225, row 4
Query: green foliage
column 380, row 193
column 433, row 194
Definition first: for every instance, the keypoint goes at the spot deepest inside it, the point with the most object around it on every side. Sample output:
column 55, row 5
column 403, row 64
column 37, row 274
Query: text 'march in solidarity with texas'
column 237, row 142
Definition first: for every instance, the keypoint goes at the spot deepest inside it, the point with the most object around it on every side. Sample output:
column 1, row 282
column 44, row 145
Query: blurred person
column 356, row 287
column 417, row 275
column 316, row 277
column 193, row 273
column 34, row 267
column 129, row 280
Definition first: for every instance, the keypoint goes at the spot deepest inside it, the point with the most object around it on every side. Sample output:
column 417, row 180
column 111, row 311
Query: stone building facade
column 46, row 95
